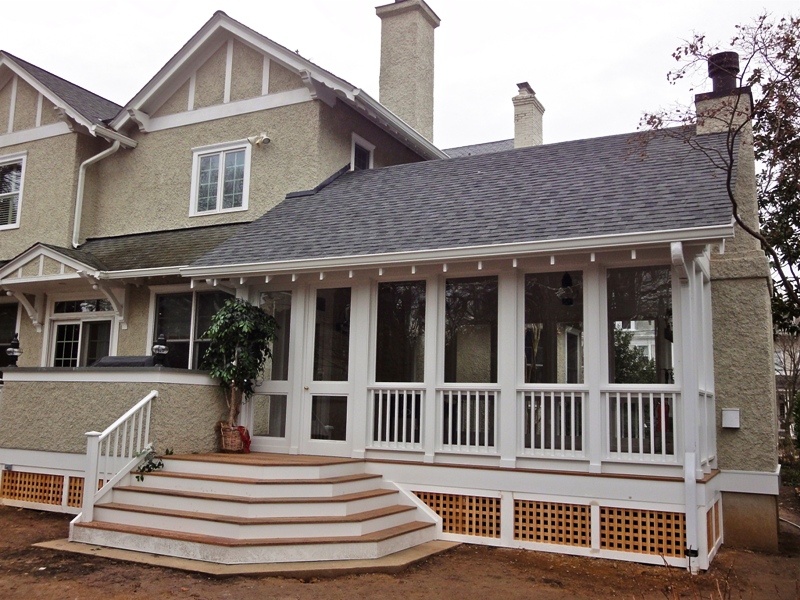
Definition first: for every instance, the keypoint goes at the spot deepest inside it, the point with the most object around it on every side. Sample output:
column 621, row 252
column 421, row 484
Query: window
column 279, row 305
column 470, row 351
column 12, row 170
column 640, row 325
column 554, row 327
column 400, row 349
column 332, row 335
column 81, row 332
column 361, row 154
column 183, row 319
column 8, row 327
column 220, row 178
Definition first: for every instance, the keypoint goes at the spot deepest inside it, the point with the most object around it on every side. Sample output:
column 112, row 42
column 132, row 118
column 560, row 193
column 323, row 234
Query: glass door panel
column 332, row 335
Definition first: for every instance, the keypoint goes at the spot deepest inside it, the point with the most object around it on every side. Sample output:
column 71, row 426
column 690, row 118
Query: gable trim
column 31, row 135
column 12, row 104
column 221, row 111
column 14, row 265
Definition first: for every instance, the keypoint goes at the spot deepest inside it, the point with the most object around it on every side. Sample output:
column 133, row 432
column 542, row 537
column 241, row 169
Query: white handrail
column 131, row 447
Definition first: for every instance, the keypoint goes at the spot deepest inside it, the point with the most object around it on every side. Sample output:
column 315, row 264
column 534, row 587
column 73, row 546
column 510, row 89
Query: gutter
column 76, row 228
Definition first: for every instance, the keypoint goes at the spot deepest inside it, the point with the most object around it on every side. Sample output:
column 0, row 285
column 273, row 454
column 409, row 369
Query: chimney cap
column 525, row 88
column 723, row 68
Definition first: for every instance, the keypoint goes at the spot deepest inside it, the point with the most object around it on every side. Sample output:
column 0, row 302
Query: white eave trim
column 135, row 273
column 603, row 242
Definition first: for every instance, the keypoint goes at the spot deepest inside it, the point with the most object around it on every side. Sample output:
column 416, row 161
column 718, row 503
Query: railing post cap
column 93, row 434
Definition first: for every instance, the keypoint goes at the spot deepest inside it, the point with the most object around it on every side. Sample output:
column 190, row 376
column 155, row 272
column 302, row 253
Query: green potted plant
column 240, row 336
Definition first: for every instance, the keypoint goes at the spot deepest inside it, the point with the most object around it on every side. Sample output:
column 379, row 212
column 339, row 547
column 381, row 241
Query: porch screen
column 640, row 325
column 470, row 351
column 400, row 351
column 554, row 327
column 278, row 305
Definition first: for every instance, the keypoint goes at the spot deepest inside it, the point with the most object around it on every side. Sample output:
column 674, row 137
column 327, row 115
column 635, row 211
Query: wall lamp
column 160, row 350
column 14, row 351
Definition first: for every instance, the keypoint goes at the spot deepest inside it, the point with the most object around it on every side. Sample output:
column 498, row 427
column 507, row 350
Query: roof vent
column 723, row 68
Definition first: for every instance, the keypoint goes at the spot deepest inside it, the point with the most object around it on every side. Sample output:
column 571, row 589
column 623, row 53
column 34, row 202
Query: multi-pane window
column 554, row 327
column 8, row 327
column 470, row 351
column 640, row 330
column 11, row 171
column 400, row 351
column 184, row 318
column 81, row 332
column 220, row 179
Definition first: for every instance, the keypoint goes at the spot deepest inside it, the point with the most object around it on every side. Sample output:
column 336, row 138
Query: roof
column 580, row 189
column 476, row 149
column 91, row 106
column 154, row 250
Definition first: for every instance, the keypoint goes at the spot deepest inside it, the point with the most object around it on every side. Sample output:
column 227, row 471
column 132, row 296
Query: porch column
column 507, row 359
column 359, row 326
column 595, row 365
column 433, row 294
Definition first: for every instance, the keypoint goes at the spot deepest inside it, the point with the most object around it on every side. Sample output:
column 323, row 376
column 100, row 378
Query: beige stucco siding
column 25, row 107
column 5, row 106
column 55, row 416
column 281, row 79
column 247, row 73
column 30, row 342
column 133, row 340
column 50, row 267
column 49, row 113
column 155, row 178
column 209, row 87
column 178, row 102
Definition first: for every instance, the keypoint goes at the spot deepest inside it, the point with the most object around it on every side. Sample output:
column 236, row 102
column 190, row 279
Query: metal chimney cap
column 723, row 68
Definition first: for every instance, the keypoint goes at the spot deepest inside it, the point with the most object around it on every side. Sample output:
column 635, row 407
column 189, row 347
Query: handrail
column 127, row 439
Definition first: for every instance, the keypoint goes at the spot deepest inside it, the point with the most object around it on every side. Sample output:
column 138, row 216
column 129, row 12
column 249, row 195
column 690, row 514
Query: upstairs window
column 361, row 154
column 12, row 169
column 220, row 178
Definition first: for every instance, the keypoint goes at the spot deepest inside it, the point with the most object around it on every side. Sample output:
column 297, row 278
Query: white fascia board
column 748, row 482
column 31, row 135
column 112, row 136
column 604, row 242
column 38, row 250
column 135, row 273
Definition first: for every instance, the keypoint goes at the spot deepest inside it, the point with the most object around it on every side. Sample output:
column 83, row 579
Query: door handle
column 305, row 387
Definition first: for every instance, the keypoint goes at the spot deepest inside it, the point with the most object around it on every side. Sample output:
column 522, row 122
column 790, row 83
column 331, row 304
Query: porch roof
column 610, row 186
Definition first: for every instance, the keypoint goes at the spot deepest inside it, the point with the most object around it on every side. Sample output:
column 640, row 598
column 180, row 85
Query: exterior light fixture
column 14, row 351
column 160, row 350
column 565, row 293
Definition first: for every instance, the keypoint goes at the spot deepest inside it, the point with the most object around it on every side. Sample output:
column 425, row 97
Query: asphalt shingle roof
column 476, row 149
column 568, row 190
column 95, row 108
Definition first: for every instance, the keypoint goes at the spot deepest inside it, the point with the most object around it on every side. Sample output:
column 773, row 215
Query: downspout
column 76, row 228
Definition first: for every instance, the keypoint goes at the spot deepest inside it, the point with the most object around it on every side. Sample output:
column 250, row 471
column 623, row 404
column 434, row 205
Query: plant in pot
column 240, row 335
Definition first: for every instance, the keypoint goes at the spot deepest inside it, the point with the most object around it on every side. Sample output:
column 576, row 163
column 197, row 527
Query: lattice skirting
column 643, row 531
column 42, row 488
column 552, row 523
column 465, row 515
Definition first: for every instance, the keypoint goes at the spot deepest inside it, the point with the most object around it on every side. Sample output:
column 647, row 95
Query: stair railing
column 115, row 452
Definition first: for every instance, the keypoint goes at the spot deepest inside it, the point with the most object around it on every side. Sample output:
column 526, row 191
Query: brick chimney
column 528, row 113
column 406, row 83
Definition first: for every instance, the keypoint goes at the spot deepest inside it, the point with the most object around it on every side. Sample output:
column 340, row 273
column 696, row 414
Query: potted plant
column 240, row 336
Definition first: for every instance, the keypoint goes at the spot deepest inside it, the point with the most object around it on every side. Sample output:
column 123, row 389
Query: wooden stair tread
column 355, row 518
column 248, row 480
column 377, row 536
column 245, row 500
column 265, row 459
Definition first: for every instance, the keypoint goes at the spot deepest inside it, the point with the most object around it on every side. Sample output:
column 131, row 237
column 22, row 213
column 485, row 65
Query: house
column 458, row 326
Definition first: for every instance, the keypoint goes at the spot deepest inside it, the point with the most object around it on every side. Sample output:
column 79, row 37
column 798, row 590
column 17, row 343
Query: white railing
column 640, row 426
column 468, row 419
column 395, row 417
column 707, row 428
column 552, row 423
column 115, row 452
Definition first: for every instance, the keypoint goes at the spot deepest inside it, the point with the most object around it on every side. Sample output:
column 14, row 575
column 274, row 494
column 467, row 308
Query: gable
column 22, row 107
column 42, row 263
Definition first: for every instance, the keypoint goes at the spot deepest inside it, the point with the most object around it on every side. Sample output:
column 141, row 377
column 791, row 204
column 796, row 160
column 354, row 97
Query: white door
column 325, row 426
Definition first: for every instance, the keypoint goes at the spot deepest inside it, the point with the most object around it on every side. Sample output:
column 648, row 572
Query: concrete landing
column 393, row 563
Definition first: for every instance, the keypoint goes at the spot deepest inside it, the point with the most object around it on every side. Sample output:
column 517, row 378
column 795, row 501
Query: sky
column 595, row 66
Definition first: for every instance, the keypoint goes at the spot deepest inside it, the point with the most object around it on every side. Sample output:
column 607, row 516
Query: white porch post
column 596, row 363
column 359, row 326
column 507, row 360
column 297, row 333
column 433, row 293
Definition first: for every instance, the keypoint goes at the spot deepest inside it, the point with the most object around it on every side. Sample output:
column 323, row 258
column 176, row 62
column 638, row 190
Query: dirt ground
column 464, row 572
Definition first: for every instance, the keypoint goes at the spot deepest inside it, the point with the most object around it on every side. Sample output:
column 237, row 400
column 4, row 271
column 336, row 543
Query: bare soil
column 464, row 572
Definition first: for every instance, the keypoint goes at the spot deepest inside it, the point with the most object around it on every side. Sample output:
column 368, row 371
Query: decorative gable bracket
column 34, row 309
column 120, row 307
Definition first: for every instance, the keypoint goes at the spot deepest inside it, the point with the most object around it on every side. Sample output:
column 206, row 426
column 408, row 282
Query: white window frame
column 54, row 319
column 20, row 157
column 220, row 149
column 357, row 140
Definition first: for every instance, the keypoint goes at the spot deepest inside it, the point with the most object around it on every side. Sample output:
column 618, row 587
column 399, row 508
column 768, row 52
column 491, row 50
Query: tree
column 770, row 66
column 631, row 364
column 787, row 371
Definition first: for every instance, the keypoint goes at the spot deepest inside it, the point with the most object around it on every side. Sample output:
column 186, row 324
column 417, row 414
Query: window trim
column 357, row 140
column 19, row 157
column 219, row 149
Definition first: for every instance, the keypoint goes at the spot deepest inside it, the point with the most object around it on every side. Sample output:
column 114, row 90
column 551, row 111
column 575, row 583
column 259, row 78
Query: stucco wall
column 178, row 102
column 25, row 107
column 247, row 73
column 209, row 86
column 54, row 416
column 5, row 105
column 133, row 340
column 155, row 178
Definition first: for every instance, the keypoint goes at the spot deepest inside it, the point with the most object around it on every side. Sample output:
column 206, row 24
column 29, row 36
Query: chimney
column 528, row 113
column 727, row 106
column 406, row 84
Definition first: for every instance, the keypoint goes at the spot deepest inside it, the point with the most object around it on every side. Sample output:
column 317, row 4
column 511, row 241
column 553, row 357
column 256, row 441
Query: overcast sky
column 596, row 66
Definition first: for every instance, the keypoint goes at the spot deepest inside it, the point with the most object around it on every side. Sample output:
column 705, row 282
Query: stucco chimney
column 406, row 84
column 528, row 113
